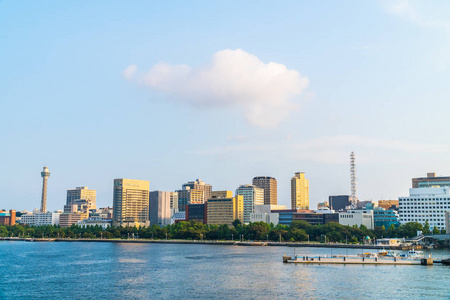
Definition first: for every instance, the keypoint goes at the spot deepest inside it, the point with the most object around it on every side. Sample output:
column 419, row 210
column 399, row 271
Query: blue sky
column 364, row 76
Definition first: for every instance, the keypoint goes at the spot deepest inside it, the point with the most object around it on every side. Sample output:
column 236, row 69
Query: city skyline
column 77, row 79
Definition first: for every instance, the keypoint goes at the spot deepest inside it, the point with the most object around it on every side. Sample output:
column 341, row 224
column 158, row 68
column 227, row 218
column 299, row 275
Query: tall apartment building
column 188, row 196
column 425, row 204
column 193, row 192
column 431, row 181
column 198, row 184
column 130, row 202
column 252, row 196
column 269, row 185
column 225, row 210
column 83, row 197
column 299, row 191
column 159, row 210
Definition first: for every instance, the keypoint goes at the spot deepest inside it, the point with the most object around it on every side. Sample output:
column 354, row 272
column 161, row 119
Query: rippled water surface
column 62, row 270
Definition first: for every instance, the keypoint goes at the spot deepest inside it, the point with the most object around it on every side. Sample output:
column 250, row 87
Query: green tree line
column 189, row 230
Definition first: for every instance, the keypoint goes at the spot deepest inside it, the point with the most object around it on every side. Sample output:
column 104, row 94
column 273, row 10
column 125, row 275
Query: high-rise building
column 188, row 196
column 45, row 175
column 83, row 197
column 299, row 191
column 159, row 210
column 130, row 202
column 425, row 204
column 269, row 184
column 225, row 210
column 198, row 184
column 252, row 196
column 431, row 181
column 339, row 202
column 193, row 192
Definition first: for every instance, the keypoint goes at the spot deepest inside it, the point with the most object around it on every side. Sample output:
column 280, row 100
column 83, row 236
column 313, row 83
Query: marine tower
column 45, row 175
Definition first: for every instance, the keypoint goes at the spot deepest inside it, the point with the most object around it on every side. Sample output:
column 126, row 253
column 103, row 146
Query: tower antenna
column 353, row 179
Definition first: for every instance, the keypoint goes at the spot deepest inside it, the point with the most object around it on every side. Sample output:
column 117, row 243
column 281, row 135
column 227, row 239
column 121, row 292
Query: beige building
column 69, row 219
column 131, row 202
column 299, row 191
column 225, row 210
column 83, row 197
column 388, row 204
column 269, row 185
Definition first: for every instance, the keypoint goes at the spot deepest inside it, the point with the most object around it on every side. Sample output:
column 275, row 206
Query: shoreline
column 229, row 243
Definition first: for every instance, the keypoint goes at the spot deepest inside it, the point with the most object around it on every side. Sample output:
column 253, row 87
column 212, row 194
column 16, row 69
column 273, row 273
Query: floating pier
column 355, row 260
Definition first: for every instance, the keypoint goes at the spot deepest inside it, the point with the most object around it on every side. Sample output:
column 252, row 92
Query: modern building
column 174, row 202
column 299, row 191
column 40, row 219
column 316, row 218
column 425, row 204
column 198, row 184
column 69, row 219
column 339, row 202
column 388, row 204
column 196, row 212
column 45, row 175
column 263, row 213
column 225, row 210
column 159, row 210
column 189, row 196
column 286, row 216
column 130, row 202
column 431, row 181
column 269, row 185
column 95, row 222
column 8, row 217
column 83, row 197
column 104, row 213
column 385, row 217
column 357, row 217
column 252, row 196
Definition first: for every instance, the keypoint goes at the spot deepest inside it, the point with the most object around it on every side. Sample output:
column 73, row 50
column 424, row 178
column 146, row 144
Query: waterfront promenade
column 207, row 242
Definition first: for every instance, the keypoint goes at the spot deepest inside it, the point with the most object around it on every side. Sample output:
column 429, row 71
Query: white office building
column 357, row 217
column 425, row 204
column 95, row 222
column 40, row 219
column 252, row 196
column 263, row 213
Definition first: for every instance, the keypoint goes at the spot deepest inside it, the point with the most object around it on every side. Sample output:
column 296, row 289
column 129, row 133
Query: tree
column 436, row 230
column 426, row 228
column 236, row 223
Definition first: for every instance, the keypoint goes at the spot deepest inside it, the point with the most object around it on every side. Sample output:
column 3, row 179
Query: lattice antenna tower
column 353, row 178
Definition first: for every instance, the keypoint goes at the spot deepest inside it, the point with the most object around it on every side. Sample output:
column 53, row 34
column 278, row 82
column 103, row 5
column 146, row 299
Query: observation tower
column 45, row 175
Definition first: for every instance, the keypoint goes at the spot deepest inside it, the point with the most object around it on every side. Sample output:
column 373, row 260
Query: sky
column 172, row 91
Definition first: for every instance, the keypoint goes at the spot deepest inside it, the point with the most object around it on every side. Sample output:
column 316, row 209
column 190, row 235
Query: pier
column 356, row 260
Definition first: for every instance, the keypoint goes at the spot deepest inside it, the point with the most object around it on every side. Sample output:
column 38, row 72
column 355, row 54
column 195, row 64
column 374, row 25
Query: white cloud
column 264, row 92
column 129, row 72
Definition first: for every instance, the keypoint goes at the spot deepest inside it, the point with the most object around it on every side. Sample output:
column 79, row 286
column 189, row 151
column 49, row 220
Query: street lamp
column 280, row 238
column 267, row 238
column 308, row 238
column 232, row 237
column 166, row 236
